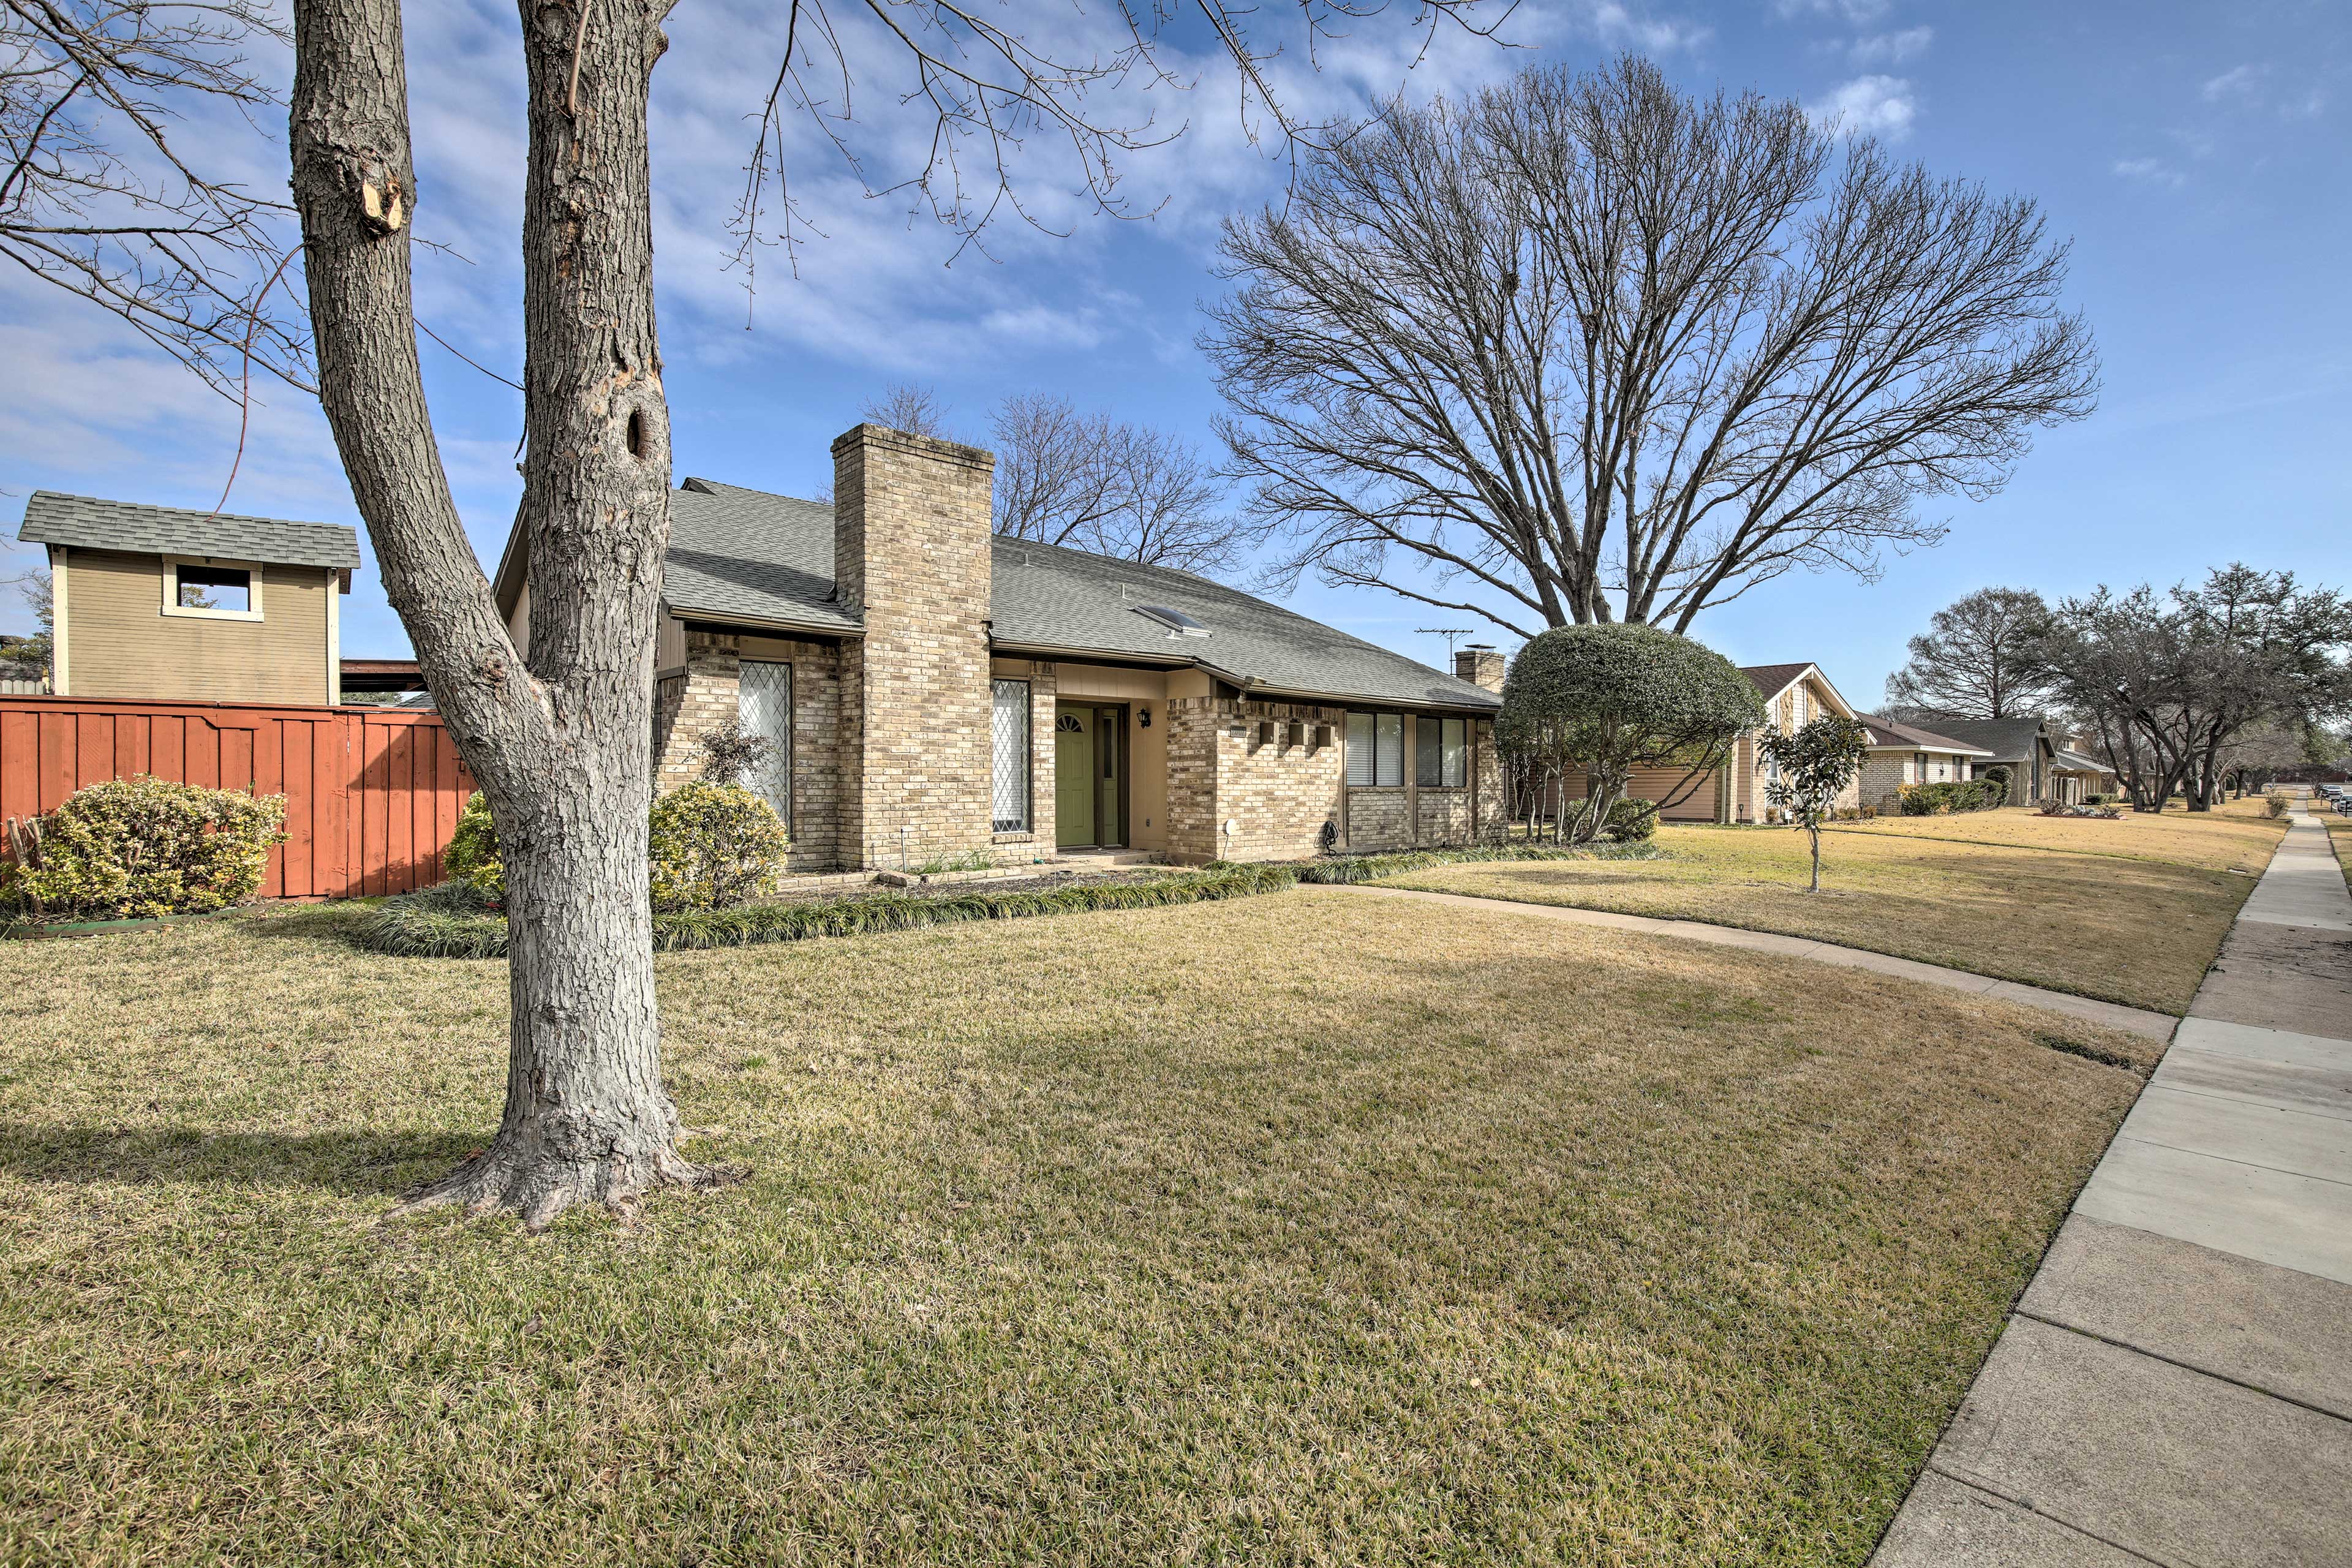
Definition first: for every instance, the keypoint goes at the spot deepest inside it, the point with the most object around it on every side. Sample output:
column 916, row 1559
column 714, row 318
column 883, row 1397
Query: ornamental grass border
column 449, row 921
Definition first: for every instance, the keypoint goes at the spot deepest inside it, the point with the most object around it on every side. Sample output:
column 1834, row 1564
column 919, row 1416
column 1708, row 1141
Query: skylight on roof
column 1178, row 623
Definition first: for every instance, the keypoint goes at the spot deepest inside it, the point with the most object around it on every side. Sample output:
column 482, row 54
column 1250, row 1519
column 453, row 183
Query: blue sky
column 2199, row 156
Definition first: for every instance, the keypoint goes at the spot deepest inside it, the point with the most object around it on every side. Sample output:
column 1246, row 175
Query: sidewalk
column 2176, row 1385
column 2114, row 1015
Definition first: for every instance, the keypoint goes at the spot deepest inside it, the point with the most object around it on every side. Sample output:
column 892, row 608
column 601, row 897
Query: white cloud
column 2256, row 87
column 1891, row 49
column 1880, row 106
column 2242, row 81
column 2148, row 171
column 1858, row 12
column 1619, row 27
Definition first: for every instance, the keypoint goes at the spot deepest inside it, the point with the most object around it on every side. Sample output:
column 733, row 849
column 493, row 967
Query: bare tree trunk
column 562, row 747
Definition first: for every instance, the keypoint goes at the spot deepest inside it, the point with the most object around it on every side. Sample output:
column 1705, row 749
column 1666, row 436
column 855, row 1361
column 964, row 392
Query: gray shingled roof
column 2076, row 761
column 735, row 553
column 741, row 553
column 2006, row 740
column 84, row 522
column 1887, row 734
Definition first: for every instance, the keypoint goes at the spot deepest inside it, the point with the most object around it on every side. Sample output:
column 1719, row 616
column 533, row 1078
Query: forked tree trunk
column 562, row 742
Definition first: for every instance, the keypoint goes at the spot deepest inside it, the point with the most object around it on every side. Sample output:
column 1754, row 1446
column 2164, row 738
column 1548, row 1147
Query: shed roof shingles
column 737, row 553
column 85, row 523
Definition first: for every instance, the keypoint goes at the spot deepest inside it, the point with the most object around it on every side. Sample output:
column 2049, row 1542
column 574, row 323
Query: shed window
column 204, row 588
column 1376, row 750
column 1440, row 756
column 1009, row 750
column 215, row 588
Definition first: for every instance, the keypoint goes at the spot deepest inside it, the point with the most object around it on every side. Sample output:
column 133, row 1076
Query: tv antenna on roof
column 1448, row 633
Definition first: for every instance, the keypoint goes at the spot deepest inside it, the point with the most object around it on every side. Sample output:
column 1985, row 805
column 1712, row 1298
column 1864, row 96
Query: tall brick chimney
column 1480, row 665
column 910, row 554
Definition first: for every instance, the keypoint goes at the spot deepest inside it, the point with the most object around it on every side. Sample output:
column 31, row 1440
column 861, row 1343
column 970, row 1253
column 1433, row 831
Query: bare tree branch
column 1602, row 351
column 99, row 201
column 1112, row 488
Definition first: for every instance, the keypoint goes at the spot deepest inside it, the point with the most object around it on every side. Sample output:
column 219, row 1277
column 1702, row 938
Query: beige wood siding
column 124, row 646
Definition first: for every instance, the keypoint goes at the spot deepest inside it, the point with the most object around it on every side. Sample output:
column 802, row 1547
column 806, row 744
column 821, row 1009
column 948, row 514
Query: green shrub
column 472, row 855
column 714, row 847
column 140, row 847
column 1957, row 795
column 1632, row 820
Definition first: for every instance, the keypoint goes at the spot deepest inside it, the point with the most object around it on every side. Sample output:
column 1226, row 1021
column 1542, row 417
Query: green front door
column 1090, row 775
column 1073, row 776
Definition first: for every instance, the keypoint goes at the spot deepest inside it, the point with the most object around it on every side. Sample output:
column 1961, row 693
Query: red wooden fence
column 371, row 794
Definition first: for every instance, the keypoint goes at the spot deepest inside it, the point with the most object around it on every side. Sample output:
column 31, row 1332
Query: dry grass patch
column 2236, row 837
column 1305, row 1229
column 2136, row 930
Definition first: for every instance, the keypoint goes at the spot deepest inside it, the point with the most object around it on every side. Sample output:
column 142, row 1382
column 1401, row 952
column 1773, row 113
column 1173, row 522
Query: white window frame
column 172, row 605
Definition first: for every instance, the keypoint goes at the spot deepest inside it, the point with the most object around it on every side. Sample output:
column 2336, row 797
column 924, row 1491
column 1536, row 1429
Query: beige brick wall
column 1277, row 793
column 911, row 555
column 690, row 702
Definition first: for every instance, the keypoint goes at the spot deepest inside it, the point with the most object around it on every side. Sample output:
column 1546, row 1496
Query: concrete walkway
column 2137, row 1020
column 2176, row 1385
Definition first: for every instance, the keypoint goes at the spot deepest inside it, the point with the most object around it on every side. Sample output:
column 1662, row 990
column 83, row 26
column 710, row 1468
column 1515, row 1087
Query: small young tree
column 1601, row 701
column 1809, row 766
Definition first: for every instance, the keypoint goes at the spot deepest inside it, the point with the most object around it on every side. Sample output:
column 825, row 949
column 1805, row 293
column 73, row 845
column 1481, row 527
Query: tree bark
column 561, row 741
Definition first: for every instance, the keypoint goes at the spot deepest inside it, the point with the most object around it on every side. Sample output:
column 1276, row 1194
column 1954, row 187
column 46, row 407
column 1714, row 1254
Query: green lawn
column 1303, row 1228
column 2130, row 910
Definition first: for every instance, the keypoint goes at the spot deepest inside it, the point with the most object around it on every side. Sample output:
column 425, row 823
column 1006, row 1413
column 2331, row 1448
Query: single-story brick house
column 2074, row 774
column 934, row 690
column 1905, row 754
column 2024, row 746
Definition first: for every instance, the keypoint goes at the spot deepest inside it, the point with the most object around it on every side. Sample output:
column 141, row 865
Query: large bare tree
column 1582, row 348
column 1979, row 658
column 560, row 739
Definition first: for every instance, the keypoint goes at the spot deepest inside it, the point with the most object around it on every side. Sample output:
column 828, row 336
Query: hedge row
column 450, row 921
column 1344, row 869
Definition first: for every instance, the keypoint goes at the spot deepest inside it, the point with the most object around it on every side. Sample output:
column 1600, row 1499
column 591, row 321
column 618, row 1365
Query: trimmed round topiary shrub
column 472, row 853
column 714, row 847
column 140, row 848
column 1630, row 821
column 1603, row 702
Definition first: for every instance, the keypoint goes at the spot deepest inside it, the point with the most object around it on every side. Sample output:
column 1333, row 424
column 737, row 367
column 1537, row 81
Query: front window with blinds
column 1441, row 756
column 764, row 707
column 1008, row 748
column 1376, row 750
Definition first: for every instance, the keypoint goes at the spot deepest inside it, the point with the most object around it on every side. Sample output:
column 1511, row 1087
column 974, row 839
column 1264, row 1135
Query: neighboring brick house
column 1904, row 754
column 2024, row 746
column 936, row 692
column 1794, row 695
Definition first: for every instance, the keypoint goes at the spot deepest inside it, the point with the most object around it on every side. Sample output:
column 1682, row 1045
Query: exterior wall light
column 1143, row 717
